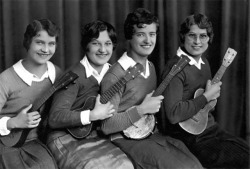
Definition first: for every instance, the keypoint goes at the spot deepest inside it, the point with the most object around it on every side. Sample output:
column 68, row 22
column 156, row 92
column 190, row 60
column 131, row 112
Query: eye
column 52, row 43
column 95, row 43
column 191, row 35
column 152, row 34
column 203, row 36
column 39, row 42
column 139, row 34
column 108, row 43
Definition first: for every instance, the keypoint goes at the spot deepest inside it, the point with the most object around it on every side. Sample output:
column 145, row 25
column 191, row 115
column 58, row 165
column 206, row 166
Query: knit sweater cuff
column 133, row 114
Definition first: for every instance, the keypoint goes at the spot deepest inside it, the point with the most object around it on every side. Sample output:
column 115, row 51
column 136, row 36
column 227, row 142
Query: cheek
column 110, row 49
column 53, row 50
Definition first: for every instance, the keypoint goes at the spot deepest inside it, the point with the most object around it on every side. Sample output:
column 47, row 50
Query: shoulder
column 8, row 75
column 116, row 70
column 114, row 73
column 170, row 63
column 78, row 68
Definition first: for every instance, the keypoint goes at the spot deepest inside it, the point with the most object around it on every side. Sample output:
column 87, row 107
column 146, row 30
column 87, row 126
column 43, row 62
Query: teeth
column 102, row 55
column 146, row 46
column 41, row 55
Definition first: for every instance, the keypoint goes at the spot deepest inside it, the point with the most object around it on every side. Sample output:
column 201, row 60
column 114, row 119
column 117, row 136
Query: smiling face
column 42, row 48
column 99, row 50
column 196, row 41
column 143, row 40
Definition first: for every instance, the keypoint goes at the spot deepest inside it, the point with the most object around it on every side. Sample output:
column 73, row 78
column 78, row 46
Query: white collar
column 91, row 71
column 192, row 60
column 28, row 77
column 126, row 62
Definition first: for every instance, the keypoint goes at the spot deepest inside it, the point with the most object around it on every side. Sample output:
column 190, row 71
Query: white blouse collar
column 28, row 77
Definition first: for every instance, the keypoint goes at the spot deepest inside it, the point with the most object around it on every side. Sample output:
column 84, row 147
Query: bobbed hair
column 36, row 26
column 92, row 31
column 139, row 17
column 201, row 21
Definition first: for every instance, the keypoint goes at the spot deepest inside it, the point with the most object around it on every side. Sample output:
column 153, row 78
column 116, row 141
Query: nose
column 197, row 40
column 147, row 39
column 45, row 48
column 102, row 48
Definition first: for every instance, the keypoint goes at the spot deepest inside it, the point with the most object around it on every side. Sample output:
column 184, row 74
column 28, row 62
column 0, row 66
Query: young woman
column 135, row 100
column 20, row 86
column 214, row 147
column 68, row 111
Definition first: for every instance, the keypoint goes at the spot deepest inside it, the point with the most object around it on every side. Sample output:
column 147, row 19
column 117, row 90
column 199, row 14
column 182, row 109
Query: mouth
column 146, row 46
column 197, row 47
column 43, row 55
column 102, row 55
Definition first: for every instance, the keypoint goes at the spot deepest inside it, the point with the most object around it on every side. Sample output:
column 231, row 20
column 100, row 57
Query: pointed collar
column 192, row 60
column 126, row 62
column 28, row 77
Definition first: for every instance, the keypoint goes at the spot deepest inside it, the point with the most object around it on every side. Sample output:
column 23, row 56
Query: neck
column 139, row 59
column 97, row 67
column 196, row 58
column 36, row 69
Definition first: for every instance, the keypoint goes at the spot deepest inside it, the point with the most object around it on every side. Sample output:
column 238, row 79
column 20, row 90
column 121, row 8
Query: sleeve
column 3, row 126
column 61, row 115
column 120, row 120
column 176, row 108
column 85, row 117
column 3, row 99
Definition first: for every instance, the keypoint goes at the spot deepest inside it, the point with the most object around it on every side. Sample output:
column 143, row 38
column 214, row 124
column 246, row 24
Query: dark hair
column 139, row 17
column 36, row 26
column 92, row 31
column 196, row 19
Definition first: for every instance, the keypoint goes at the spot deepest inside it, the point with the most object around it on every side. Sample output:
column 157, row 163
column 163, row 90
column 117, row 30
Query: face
column 196, row 41
column 99, row 50
column 143, row 41
column 42, row 48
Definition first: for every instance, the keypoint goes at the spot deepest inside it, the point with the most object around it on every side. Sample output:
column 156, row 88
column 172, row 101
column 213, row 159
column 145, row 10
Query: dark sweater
column 129, row 96
column 179, row 102
column 65, row 110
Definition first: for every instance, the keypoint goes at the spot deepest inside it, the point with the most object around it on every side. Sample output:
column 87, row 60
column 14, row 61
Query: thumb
column 97, row 100
column 26, row 109
column 150, row 94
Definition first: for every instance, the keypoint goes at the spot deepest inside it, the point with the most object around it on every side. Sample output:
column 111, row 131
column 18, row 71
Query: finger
column 34, row 113
column 36, row 117
column 111, row 114
column 35, row 122
column 112, row 111
column 111, row 106
column 161, row 97
column 208, row 83
column 33, row 125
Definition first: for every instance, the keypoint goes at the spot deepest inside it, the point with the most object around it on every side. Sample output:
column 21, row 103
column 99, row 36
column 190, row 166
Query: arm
column 15, row 115
column 121, row 119
column 130, row 104
column 61, row 115
column 3, row 119
column 178, row 108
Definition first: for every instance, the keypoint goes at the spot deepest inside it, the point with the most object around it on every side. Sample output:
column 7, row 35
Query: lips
column 146, row 46
column 102, row 55
column 197, row 47
column 43, row 55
